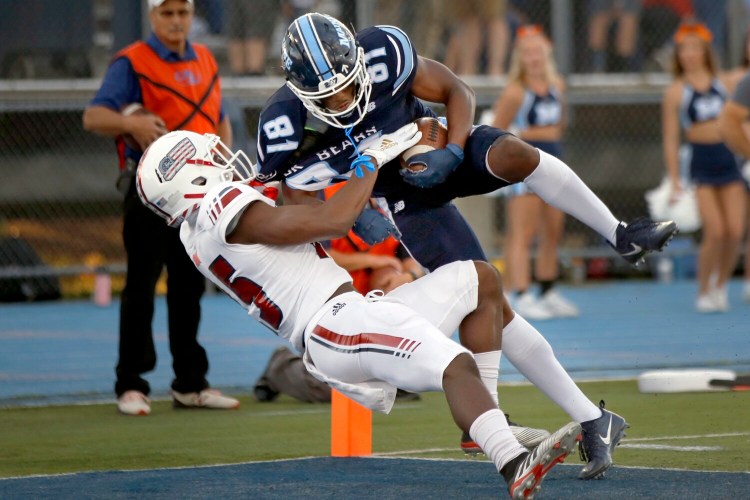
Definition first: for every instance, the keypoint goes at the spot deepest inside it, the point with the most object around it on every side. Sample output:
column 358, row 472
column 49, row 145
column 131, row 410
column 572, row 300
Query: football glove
column 439, row 162
column 374, row 227
column 386, row 148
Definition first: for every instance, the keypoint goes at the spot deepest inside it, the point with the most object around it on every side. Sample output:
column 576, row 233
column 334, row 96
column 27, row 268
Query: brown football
column 134, row 109
column 434, row 136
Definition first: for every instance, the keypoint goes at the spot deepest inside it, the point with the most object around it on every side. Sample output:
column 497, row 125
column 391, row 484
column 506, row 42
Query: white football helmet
column 179, row 168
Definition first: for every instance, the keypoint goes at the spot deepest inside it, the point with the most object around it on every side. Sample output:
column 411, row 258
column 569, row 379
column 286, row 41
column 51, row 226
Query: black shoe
column 263, row 392
column 600, row 436
column 402, row 395
column 262, row 389
column 527, row 436
column 642, row 236
column 526, row 479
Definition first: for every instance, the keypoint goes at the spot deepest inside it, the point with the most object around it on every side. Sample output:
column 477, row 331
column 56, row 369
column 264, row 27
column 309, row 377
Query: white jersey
column 280, row 286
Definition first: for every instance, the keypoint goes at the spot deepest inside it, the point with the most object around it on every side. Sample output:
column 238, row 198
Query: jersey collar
column 167, row 55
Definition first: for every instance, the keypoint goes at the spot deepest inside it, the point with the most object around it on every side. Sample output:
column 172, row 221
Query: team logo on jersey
column 337, row 307
column 176, row 159
column 187, row 77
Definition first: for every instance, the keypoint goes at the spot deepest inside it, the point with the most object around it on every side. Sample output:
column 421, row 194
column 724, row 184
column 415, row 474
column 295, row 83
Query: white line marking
column 667, row 447
column 697, row 436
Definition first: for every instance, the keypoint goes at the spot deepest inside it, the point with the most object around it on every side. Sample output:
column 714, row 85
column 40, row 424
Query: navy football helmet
column 321, row 58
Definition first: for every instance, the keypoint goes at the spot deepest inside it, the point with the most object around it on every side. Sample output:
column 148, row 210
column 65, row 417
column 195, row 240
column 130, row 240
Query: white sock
column 491, row 432
column 559, row 186
column 532, row 355
column 489, row 369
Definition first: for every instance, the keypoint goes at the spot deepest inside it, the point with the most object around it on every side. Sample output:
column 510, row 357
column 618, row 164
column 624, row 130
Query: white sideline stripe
column 667, row 447
column 697, row 436
column 626, row 443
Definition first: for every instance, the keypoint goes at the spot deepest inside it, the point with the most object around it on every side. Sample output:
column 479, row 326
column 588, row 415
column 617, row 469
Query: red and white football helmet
column 179, row 168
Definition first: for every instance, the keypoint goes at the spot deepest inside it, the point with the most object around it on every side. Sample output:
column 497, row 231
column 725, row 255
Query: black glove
column 374, row 227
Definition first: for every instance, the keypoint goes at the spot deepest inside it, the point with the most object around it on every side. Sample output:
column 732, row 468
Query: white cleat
column 134, row 403
column 207, row 398
column 526, row 480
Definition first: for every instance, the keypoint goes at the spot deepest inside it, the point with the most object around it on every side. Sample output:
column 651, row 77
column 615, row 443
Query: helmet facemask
column 355, row 112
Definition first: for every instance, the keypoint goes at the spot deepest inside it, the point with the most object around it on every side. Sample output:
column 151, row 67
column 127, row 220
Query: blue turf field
column 62, row 351
column 372, row 478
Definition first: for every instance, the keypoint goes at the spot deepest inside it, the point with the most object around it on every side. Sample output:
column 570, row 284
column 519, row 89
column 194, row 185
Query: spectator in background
column 659, row 20
column 531, row 105
column 624, row 14
column 478, row 27
column 693, row 103
column 249, row 29
column 424, row 21
column 178, row 82
column 713, row 13
column 734, row 122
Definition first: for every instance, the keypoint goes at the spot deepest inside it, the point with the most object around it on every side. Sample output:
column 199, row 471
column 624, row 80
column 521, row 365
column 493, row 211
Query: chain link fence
column 59, row 209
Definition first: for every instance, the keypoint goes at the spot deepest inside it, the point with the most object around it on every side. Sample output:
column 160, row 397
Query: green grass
column 82, row 438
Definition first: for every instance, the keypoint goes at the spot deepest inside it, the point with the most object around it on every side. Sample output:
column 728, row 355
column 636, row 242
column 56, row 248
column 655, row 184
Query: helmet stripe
column 312, row 44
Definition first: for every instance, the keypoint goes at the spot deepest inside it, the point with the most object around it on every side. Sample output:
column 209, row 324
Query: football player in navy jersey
column 344, row 92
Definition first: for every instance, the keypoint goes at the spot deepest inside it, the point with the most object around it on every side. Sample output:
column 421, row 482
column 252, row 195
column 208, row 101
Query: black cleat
column 526, row 479
column 527, row 436
column 600, row 436
column 641, row 237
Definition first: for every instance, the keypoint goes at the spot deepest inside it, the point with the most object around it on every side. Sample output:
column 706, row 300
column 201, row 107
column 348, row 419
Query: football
column 134, row 109
column 434, row 136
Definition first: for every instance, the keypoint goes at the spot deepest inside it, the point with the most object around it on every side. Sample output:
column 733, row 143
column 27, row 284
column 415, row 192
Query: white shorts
column 401, row 339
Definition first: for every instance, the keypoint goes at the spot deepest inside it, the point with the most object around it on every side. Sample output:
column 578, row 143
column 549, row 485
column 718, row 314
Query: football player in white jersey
column 268, row 260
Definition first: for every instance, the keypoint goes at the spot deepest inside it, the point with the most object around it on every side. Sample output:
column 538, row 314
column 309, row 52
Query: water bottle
column 664, row 270
column 102, row 289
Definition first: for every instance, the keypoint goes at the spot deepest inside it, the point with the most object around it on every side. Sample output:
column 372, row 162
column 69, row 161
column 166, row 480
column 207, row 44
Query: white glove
column 387, row 148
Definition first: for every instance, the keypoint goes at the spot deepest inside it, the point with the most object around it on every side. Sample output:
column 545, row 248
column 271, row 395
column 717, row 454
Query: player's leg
column 467, row 296
column 513, row 160
column 416, row 356
column 534, row 358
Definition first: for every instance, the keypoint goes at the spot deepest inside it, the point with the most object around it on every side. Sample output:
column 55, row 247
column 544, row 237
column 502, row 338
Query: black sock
column 546, row 286
column 509, row 469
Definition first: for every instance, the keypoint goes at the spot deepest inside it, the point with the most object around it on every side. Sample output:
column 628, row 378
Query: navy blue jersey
column 310, row 155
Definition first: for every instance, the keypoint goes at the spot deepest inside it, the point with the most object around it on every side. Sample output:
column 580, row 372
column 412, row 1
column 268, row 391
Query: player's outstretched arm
column 294, row 224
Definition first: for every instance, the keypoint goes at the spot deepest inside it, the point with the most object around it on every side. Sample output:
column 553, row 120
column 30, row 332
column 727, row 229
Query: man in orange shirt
column 178, row 83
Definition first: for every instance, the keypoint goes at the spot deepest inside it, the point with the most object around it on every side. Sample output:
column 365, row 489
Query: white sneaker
column 207, row 398
column 530, row 308
column 558, row 305
column 134, row 403
column 721, row 298
column 746, row 292
column 706, row 304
